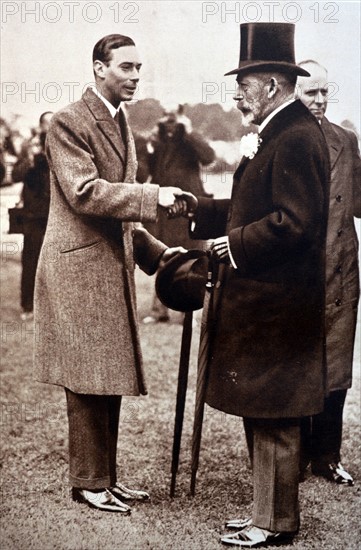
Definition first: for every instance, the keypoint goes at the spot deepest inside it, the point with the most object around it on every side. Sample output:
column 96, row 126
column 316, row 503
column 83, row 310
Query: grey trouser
column 93, row 436
column 274, row 446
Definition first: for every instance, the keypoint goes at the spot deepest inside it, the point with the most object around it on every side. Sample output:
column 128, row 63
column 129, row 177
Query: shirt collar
column 113, row 111
column 271, row 115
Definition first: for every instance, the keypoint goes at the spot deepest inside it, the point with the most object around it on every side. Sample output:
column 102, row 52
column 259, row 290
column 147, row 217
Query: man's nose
column 239, row 94
column 320, row 98
column 135, row 74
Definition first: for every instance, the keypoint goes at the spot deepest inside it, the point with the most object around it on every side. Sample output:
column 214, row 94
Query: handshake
column 177, row 202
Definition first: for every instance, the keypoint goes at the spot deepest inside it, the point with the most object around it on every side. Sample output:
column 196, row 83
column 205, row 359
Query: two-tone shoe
column 238, row 523
column 100, row 500
column 122, row 492
column 255, row 537
column 333, row 472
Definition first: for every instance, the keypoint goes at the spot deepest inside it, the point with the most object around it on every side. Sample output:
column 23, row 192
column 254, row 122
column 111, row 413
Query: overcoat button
column 339, row 269
column 218, row 284
column 339, row 232
column 338, row 302
column 338, row 198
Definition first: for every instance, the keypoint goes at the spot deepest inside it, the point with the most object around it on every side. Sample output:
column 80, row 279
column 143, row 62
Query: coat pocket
column 84, row 254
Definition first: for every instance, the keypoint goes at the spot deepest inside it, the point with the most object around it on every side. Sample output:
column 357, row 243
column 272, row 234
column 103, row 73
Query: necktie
column 119, row 121
column 117, row 118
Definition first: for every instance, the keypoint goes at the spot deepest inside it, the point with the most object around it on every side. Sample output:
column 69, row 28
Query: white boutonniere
column 250, row 144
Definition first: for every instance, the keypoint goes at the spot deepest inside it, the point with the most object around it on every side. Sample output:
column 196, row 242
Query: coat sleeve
column 72, row 160
column 147, row 249
column 299, row 195
column 210, row 219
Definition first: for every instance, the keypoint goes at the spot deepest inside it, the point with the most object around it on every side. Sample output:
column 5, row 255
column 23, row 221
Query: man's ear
column 272, row 87
column 98, row 67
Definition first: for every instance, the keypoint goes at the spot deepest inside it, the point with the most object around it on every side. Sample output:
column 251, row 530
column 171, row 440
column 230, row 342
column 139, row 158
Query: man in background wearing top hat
column 266, row 362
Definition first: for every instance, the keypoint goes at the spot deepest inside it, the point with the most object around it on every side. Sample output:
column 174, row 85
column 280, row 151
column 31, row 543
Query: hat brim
column 282, row 66
column 180, row 283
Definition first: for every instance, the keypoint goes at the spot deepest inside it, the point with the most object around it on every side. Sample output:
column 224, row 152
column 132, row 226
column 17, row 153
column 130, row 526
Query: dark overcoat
column 85, row 305
column 268, row 342
column 342, row 272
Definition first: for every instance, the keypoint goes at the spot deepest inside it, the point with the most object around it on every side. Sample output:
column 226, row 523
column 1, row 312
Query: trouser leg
column 327, row 430
column 93, row 434
column 248, row 430
column 306, row 443
column 276, row 451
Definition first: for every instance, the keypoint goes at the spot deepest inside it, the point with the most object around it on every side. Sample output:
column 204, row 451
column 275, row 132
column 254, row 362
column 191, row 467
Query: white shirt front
column 271, row 115
column 113, row 111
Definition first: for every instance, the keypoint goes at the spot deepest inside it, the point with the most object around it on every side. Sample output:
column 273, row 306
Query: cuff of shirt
column 231, row 257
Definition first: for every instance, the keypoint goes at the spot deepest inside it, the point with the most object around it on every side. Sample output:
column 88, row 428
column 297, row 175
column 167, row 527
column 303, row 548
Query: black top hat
column 181, row 283
column 268, row 46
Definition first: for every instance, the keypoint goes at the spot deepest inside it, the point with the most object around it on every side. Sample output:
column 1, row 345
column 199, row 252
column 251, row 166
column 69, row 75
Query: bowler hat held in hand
column 181, row 283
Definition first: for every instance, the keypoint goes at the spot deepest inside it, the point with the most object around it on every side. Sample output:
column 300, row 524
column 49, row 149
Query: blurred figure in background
column 33, row 170
column 322, row 433
column 176, row 155
column 7, row 152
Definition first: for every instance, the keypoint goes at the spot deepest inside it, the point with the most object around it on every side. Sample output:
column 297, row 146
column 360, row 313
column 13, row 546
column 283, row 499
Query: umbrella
column 202, row 375
column 181, row 395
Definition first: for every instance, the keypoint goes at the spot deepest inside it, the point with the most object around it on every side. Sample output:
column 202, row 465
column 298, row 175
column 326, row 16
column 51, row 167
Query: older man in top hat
column 266, row 362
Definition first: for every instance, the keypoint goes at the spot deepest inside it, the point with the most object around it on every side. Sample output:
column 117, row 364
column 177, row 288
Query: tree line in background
column 211, row 121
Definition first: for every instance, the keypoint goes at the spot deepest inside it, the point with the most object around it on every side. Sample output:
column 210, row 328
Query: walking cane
column 181, row 394
column 202, row 375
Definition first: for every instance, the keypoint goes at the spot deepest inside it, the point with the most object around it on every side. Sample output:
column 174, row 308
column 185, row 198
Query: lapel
column 334, row 143
column 105, row 122
column 240, row 169
column 131, row 156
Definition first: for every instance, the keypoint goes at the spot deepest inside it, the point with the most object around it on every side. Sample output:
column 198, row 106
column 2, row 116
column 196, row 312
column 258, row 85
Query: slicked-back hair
column 103, row 48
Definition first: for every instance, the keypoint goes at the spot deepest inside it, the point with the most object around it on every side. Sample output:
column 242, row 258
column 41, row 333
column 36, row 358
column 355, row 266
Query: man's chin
column 246, row 118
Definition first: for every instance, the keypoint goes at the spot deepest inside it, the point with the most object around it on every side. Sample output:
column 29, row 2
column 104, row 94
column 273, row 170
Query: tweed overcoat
column 342, row 272
column 267, row 350
column 85, row 306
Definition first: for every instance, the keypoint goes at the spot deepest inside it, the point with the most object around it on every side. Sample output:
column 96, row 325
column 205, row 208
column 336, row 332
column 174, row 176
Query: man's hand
column 220, row 250
column 167, row 196
column 185, row 205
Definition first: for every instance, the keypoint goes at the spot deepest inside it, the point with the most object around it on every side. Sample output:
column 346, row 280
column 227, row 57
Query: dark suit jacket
column 267, row 355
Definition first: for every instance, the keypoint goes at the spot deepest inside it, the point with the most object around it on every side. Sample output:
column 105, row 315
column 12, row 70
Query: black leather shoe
column 101, row 500
column 333, row 472
column 123, row 493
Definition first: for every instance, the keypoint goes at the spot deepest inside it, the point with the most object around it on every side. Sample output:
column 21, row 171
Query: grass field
column 36, row 511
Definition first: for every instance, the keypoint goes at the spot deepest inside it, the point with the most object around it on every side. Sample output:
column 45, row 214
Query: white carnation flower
column 249, row 145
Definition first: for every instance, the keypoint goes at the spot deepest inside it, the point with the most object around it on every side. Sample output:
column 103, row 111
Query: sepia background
column 186, row 47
